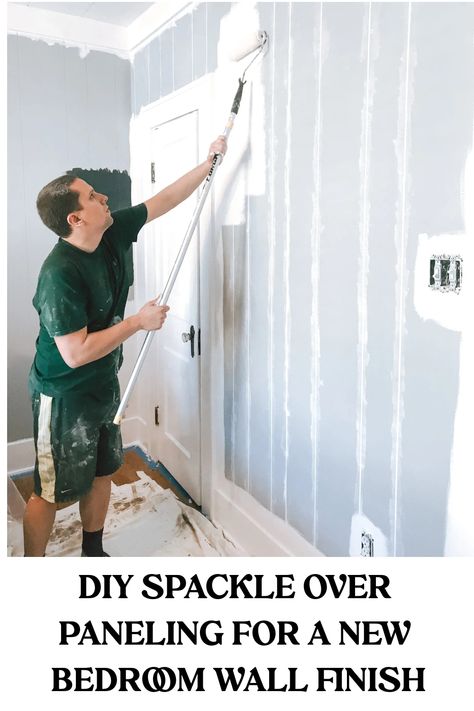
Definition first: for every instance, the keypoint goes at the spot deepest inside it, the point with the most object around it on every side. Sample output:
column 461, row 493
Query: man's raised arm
column 174, row 194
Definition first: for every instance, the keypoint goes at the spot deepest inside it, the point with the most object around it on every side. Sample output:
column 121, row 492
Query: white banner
column 326, row 633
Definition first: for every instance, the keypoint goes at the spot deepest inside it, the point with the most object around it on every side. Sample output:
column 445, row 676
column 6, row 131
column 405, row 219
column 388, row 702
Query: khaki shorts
column 75, row 441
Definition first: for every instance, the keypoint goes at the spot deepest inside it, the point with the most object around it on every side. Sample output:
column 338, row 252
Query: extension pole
column 217, row 160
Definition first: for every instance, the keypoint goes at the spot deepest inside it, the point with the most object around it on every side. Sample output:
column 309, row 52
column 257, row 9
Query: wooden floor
column 127, row 474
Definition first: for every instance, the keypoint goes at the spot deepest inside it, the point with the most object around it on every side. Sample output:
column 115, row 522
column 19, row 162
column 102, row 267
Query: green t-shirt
column 77, row 289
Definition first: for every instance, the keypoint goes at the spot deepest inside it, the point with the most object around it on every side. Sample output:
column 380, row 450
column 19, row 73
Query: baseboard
column 21, row 453
column 134, row 432
column 255, row 529
column 20, row 456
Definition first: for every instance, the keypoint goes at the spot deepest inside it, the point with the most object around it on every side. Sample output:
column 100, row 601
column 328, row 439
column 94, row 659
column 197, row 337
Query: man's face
column 94, row 212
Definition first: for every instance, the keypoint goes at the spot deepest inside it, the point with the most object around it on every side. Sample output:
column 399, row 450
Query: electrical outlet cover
column 360, row 525
column 366, row 545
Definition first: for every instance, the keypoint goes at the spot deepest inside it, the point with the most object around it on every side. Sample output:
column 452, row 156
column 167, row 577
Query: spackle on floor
column 143, row 520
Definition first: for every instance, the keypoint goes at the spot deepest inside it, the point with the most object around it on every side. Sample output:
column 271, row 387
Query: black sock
column 92, row 543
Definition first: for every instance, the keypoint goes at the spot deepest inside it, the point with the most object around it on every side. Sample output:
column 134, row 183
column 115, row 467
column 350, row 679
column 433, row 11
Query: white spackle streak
column 287, row 258
column 244, row 169
column 315, row 242
column 402, row 148
column 460, row 527
column 148, row 75
column 249, row 315
column 467, row 191
column 233, row 356
column 271, row 266
column 243, row 173
column 172, row 60
column 364, row 227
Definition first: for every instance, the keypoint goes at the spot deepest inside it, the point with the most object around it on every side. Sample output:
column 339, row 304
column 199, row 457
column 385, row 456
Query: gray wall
column 339, row 398
column 64, row 112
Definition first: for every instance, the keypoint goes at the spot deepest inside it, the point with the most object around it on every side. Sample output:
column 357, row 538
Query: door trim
column 177, row 441
column 195, row 96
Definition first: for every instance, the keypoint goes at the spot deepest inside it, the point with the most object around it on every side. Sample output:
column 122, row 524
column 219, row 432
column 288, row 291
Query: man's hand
column 152, row 317
column 218, row 146
column 81, row 347
column 174, row 194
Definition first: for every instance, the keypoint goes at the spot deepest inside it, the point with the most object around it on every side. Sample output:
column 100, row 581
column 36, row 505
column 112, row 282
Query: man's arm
column 81, row 347
column 174, row 194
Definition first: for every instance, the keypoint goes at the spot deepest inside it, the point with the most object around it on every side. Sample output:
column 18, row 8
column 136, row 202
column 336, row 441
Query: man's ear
column 73, row 220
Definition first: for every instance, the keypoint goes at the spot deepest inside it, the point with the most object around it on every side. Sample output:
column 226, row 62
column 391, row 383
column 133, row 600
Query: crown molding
column 86, row 34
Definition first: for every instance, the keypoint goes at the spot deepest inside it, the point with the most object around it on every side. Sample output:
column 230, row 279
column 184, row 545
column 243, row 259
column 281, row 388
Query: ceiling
column 115, row 13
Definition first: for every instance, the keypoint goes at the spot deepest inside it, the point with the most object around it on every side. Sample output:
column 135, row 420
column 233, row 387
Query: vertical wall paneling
column 389, row 23
column 315, row 261
column 140, row 79
column 183, row 51
column 43, row 125
column 343, row 82
column 339, row 399
column 122, row 108
column 166, row 45
column 42, row 128
column 441, row 133
column 270, row 126
column 215, row 12
column 259, row 431
column 280, row 109
column 64, row 111
column 78, row 132
column 19, row 301
column 302, row 112
column 241, row 374
column 363, row 267
column 154, row 79
column 199, row 41
column 259, row 293
column 101, row 94
column 402, row 147
column 286, row 255
column 229, row 345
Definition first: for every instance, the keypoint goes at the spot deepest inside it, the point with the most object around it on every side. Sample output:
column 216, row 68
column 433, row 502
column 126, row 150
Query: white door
column 177, row 436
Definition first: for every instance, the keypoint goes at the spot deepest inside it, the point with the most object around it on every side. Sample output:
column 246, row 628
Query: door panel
column 177, row 441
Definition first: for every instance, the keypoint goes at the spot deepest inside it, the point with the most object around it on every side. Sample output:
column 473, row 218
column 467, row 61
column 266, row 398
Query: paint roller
column 246, row 45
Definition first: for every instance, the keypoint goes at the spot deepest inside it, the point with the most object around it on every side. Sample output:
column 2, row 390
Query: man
column 80, row 298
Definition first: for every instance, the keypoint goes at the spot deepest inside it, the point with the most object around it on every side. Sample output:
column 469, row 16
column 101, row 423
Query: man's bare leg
column 93, row 505
column 93, row 509
column 38, row 522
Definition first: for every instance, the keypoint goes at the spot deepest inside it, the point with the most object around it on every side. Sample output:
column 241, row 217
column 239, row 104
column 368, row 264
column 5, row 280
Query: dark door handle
column 189, row 337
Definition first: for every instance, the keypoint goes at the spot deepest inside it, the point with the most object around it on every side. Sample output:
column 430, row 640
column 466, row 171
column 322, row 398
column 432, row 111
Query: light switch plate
column 446, row 273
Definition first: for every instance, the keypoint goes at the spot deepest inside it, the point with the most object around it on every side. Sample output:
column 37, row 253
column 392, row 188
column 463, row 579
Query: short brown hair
column 54, row 203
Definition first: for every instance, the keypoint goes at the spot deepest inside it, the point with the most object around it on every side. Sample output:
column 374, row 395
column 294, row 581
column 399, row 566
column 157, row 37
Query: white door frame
column 197, row 95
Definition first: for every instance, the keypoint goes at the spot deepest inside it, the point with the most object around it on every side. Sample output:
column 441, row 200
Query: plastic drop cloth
column 143, row 519
column 15, row 509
